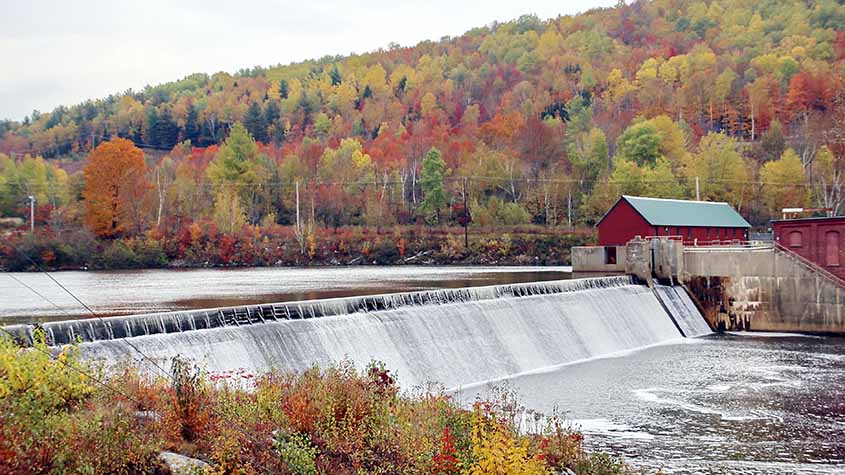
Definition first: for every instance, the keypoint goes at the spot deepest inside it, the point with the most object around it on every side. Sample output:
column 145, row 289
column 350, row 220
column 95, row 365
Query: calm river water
column 130, row 292
column 726, row 404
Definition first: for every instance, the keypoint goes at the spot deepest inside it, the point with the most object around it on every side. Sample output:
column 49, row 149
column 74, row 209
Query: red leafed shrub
column 446, row 460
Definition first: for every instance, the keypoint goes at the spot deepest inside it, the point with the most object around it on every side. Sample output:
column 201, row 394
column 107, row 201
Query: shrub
column 385, row 253
column 149, row 253
column 118, row 256
column 495, row 451
column 298, row 455
column 54, row 419
column 48, row 423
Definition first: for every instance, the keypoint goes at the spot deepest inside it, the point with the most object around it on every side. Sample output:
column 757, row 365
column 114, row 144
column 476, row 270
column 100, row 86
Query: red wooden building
column 695, row 222
column 816, row 239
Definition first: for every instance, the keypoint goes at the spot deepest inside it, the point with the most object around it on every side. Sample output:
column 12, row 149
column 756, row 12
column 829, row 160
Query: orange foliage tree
column 115, row 185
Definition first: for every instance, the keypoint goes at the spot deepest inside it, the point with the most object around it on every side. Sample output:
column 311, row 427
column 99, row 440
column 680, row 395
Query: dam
column 453, row 337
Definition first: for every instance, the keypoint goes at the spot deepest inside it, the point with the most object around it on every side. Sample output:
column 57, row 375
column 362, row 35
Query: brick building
column 694, row 222
column 816, row 239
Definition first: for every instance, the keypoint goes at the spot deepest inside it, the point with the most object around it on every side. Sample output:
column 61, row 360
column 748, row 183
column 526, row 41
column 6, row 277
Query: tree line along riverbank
column 202, row 244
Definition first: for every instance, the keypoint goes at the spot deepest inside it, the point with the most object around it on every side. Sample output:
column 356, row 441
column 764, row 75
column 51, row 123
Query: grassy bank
column 55, row 419
column 201, row 245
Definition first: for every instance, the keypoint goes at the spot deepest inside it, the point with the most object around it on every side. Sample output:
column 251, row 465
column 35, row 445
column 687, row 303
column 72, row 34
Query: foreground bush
column 54, row 419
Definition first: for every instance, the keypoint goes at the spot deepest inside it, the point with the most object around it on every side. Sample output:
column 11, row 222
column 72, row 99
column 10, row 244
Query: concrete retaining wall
column 593, row 259
column 767, row 290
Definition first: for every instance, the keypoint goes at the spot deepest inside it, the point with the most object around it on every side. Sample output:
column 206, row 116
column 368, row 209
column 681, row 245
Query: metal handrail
column 809, row 264
column 694, row 242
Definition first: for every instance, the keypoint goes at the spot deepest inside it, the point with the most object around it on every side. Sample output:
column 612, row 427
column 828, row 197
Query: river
column 724, row 404
column 747, row 403
column 110, row 293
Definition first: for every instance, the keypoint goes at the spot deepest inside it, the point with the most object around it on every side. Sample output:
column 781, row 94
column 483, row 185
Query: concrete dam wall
column 764, row 289
column 452, row 337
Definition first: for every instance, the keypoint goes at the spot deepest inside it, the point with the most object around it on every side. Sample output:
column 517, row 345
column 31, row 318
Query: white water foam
column 453, row 344
column 602, row 426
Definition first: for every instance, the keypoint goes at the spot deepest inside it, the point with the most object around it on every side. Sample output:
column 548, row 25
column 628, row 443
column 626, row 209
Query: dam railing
column 110, row 328
column 808, row 264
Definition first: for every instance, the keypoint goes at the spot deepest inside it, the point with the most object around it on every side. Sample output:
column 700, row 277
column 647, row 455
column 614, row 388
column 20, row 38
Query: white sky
column 65, row 51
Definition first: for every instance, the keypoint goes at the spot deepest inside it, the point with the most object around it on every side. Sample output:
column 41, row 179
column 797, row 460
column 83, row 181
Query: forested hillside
column 533, row 121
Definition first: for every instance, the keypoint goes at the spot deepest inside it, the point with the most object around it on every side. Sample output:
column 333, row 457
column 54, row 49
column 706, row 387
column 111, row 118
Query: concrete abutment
column 740, row 287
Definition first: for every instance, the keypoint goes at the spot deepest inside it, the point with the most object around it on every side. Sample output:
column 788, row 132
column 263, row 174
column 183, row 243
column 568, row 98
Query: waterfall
column 453, row 337
column 683, row 310
column 99, row 329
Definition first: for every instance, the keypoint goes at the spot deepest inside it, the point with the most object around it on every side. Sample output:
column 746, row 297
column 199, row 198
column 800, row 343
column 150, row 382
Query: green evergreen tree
column 431, row 180
column 254, row 122
column 275, row 128
column 191, row 131
column 166, row 131
column 335, row 75
column 151, row 126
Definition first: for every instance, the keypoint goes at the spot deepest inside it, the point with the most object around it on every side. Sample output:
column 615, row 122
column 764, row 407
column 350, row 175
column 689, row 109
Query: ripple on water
column 732, row 404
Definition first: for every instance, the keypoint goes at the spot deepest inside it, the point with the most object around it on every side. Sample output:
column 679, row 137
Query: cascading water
column 453, row 337
column 683, row 310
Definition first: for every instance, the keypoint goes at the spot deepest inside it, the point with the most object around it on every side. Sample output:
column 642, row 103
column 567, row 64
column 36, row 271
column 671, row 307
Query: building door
column 832, row 248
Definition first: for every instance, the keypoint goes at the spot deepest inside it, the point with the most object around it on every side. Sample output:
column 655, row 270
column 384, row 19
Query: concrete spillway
column 682, row 309
column 453, row 337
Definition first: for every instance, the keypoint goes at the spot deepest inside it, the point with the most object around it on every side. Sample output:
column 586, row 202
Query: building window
column 795, row 239
column 832, row 248
column 689, row 232
column 708, row 233
column 610, row 254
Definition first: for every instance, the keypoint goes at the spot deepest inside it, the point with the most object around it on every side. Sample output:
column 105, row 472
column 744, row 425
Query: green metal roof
column 662, row 212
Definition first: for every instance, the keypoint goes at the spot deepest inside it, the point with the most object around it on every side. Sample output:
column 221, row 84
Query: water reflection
column 130, row 292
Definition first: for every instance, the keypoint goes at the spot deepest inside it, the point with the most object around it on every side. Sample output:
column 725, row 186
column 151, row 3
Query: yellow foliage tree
column 784, row 183
column 229, row 215
column 428, row 104
column 496, row 452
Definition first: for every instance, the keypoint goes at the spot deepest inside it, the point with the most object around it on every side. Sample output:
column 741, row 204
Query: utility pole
column 697, row 190
column 31, row 214
column 466, row 216
column 297, row 207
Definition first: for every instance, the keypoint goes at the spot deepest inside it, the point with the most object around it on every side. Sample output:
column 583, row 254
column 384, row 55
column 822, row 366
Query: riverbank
column 63, row 415
column 202, row 246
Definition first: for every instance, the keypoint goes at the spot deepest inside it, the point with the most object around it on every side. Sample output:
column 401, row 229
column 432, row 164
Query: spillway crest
column 454, row 337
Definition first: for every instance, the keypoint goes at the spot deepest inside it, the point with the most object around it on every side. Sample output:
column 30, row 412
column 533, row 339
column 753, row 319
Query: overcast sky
column 66, row 51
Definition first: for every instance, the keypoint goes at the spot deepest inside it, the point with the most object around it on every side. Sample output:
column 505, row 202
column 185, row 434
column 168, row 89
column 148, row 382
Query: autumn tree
column 784, row 183
column 720, row 169
column 115, row 186
column 346, row 173
column 228, row 212
column 829, row 182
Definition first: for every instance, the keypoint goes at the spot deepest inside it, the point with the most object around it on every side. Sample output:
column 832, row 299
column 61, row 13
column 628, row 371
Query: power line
column 37, row 293
column 42, row 270
column 125, row 340
column 77, row 369
column 137, row 144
